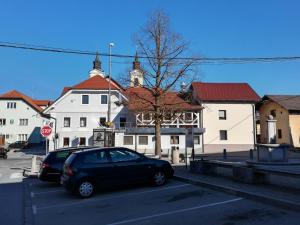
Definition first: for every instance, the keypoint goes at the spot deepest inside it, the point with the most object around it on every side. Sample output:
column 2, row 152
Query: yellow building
column 286, row 110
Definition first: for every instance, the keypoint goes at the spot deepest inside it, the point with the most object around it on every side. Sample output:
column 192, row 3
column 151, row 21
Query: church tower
column 96, row 71
column 136, row 75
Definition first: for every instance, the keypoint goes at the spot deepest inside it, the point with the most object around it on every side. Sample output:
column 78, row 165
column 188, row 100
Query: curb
column 285, row 204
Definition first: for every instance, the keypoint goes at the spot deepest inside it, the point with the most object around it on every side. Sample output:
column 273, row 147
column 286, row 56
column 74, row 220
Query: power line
column 201, row 60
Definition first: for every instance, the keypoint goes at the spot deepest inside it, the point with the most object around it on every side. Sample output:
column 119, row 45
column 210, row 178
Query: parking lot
column 174, row 203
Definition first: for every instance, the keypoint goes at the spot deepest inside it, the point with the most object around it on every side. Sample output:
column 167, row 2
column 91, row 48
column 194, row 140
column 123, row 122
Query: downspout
column 201, row 126
column 254, row 126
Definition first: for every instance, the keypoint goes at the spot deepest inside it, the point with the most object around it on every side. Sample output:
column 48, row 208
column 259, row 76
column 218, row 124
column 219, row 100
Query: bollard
column 224, row 153
column 251, row 154
column 33, row 165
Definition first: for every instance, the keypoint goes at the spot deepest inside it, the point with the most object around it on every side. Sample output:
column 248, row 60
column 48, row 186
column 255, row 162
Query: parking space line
column 175, row 212
column 46, row 192
column 34, row 210
column 113, row 197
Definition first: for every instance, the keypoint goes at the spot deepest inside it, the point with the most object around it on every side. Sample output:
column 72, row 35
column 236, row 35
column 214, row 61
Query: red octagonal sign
column 46, row 131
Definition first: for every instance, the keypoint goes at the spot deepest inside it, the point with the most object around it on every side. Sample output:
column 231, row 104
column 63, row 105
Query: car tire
column 159, row 178
column 85, row 188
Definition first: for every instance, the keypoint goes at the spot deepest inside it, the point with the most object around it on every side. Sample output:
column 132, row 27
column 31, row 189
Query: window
column 95, row 157
column 23, row 122
column 123, row 155
column 122, row 122
column 222, row 114
column 273, row 113
column 22, row 137
column 82, row 141
column 11, row 121
column 196, row 140
column 82, row 121
column 85, row 99
column 67, row 121
column 136, row 82
column 2, row 122
column 104, row 99
column 66, row 142
column 143, row 140
column 11, row 105
column 279, row 133
column 174, row 140
column 7, row 136
column 103, row 121
column 168, row 116
column 128, row 140
column 223, row 134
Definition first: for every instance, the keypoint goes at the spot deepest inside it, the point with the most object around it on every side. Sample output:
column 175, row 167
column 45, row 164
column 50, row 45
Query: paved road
column 11, row 189
column 175, row 203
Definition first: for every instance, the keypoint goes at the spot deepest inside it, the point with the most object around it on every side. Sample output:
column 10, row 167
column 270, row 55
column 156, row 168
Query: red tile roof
column 224, row 92
column 95, row 83
column 42, row 102
column 141, row 99
column 15, row 95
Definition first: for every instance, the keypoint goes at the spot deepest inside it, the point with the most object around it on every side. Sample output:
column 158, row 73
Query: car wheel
column 159, row 178
column 86, row 189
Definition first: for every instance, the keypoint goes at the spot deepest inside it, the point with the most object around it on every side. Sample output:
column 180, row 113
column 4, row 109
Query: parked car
column 51, row 167
column 18, row 145
column 3, row 153
column 88, row 170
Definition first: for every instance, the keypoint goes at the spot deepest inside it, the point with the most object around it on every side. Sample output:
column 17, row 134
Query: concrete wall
column 238, row 123
column 295, row 129
column 282, row 117
column 13, row 129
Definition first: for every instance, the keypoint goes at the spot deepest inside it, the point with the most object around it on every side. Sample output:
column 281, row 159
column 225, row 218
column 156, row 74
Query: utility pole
column 109, row 84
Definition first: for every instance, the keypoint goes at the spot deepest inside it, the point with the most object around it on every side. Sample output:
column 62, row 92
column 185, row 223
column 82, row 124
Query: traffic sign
column 46, row 131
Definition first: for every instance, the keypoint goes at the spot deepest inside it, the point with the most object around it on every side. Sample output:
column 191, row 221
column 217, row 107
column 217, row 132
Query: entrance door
column 2, row 140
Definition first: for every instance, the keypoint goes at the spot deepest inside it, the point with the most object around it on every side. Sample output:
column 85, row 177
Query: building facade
column 285, row 109
column 228, row 115
column 21, row 117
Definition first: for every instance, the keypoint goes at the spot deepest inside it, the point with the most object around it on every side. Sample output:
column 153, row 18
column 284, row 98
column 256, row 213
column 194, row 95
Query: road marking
column 34, row 209
column 174, row 212
column 46, row 192
column 15, row 176
column 108, row 198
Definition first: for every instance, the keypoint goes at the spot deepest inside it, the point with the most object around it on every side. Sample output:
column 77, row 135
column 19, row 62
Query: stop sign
column 46, row 131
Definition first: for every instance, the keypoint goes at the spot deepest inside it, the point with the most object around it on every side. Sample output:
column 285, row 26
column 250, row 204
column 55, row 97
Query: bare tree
column 164, row 67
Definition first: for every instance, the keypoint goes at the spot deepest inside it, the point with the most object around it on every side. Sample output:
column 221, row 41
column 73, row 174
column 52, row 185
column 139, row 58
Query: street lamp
column 109, row 83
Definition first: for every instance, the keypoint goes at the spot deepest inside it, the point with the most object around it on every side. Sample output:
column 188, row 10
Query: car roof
column 100, row 148
column 73, row 148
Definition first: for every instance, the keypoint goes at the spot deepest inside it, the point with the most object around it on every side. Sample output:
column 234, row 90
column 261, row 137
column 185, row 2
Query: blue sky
column 215, row 28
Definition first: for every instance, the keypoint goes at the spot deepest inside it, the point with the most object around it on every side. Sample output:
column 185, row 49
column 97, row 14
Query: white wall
column 239, row 126
column 70, row 105
column 149, row 149
column 22, row 111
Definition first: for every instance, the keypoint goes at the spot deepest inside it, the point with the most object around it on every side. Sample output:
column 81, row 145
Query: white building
column 83, row 108
column 21, row 118
column 228, row 115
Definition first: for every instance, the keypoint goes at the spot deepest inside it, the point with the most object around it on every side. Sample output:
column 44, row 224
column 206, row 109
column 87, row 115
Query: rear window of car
column 70, row 159
column 62, row 154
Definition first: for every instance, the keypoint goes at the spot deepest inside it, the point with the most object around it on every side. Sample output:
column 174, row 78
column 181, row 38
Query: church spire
column 136, row 63
column 97, row 63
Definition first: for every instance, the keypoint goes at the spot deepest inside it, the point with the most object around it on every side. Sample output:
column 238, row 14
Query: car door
column 97, row 165
column 128, row 166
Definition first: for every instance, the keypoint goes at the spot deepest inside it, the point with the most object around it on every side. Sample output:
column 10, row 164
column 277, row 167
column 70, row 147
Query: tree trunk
column 157, row 139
